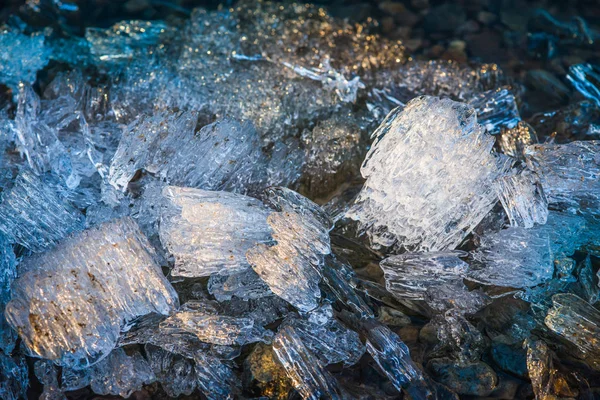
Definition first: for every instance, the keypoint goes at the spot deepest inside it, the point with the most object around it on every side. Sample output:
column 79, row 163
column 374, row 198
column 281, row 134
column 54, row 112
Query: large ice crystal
column 569, row 175
column 523, row 199
column 308, row 376
column 210, row 232
column 224, row 155
column 35, row 215
column 432, row 206
column 69, row 304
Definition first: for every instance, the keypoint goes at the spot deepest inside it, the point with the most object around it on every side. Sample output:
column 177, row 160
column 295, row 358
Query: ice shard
column 22, row 57
column 175, row 373
column 210, row 232
column 34, row 215
column 523, row 199
column 569, row 175
column 224, row 155
column 292, row 266
column 69, row 304
column 121, row 374
column 410, row 275
column 328, row 339
column 586, row 79
column 14, row 377
column 496, row 110
column 546, row 380
column 514, row 141
column 244, row 285
column 308, row 376
column 428, row 202
column 8, row 273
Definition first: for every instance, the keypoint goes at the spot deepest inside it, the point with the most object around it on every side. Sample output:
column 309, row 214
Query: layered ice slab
column 226, row 233
column 430, row 177
column 221, row 156
column 69, row 304
column 210, row 232
column 569, row 175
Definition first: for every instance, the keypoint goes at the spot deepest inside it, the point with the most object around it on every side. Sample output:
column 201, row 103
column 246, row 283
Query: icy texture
column 326, row 338
column 46, row 373
column 340, row 280
column 175, row 373
column 496, row 109
column 14, row 378
column 569, row 175
column 221, row 156
column 514, row 141
column 393, row 358
column 8, row 273
column 547, row 382
column 523, row 199
column 204, row 322
column 34, row 215
column 576, row 321
column 244, row 285
column 410, row 275
column 268, row 374
column 284, row 199
column 210, row 232
column 428, row 202
column 121, row 374
column 21, row 58
column 586, row 79
column 69, row 303
column 309, row 378
column 292, row 266
column 590, row 284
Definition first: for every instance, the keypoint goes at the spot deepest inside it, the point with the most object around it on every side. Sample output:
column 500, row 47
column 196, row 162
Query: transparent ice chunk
column 410, row 275
column 341, row 281
column 210, row 232
column 569, row 175
column 308, row 376
column 523, row 199
column 224, row 155
column 121, row 374
column 70, row 303
column 586, row 79
column 513, row 141
column 546, row 380
column 34, row 215
column 22, row 57
column 175, row 373
column 430, row 175
column 14, row 377
column 245, row 285
column 496, row 109
column 8, row 273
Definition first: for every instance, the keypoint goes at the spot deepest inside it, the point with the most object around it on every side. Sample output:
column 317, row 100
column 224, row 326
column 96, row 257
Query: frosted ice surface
column 244, row 285
column 121, row 374
column 34, row 215
column 523, row 199
column 292, row 266
column 326, row 338
column 308, row 376
column 224, row 155
column 210, row 327
column 586, row 79
column 428, row 202
column 69, row 304
column 14, row 378
column 21, row 58
column 410, row 275
column 519, row 257
column 210, row 232
column 576, row 321
column 284, row 199
column 496, row 109
column 47, row 375
column 569, row 175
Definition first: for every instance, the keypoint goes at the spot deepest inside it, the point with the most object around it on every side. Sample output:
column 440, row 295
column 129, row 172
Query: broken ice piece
column 221, row 156
column 46, row 373
column 326, row 338
column 523, row 199
column 210, row 327
column 292, row 266
column 496, row 109
column 576, row 321
column 121, row 374
column 569, row 175
column 340, row 280
column 210, row 232
column 35, row 215
column 589, row 285
column 69, row 303
column 8, row 273
column 309, row 378
column 409, row 275
column 430, row 175
column 245, row 285
column 546, row 380
column 513, row 141
column 21, row 58
column 175, row 373
column 284, row 199
column 586, row 79
column 393, row 358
